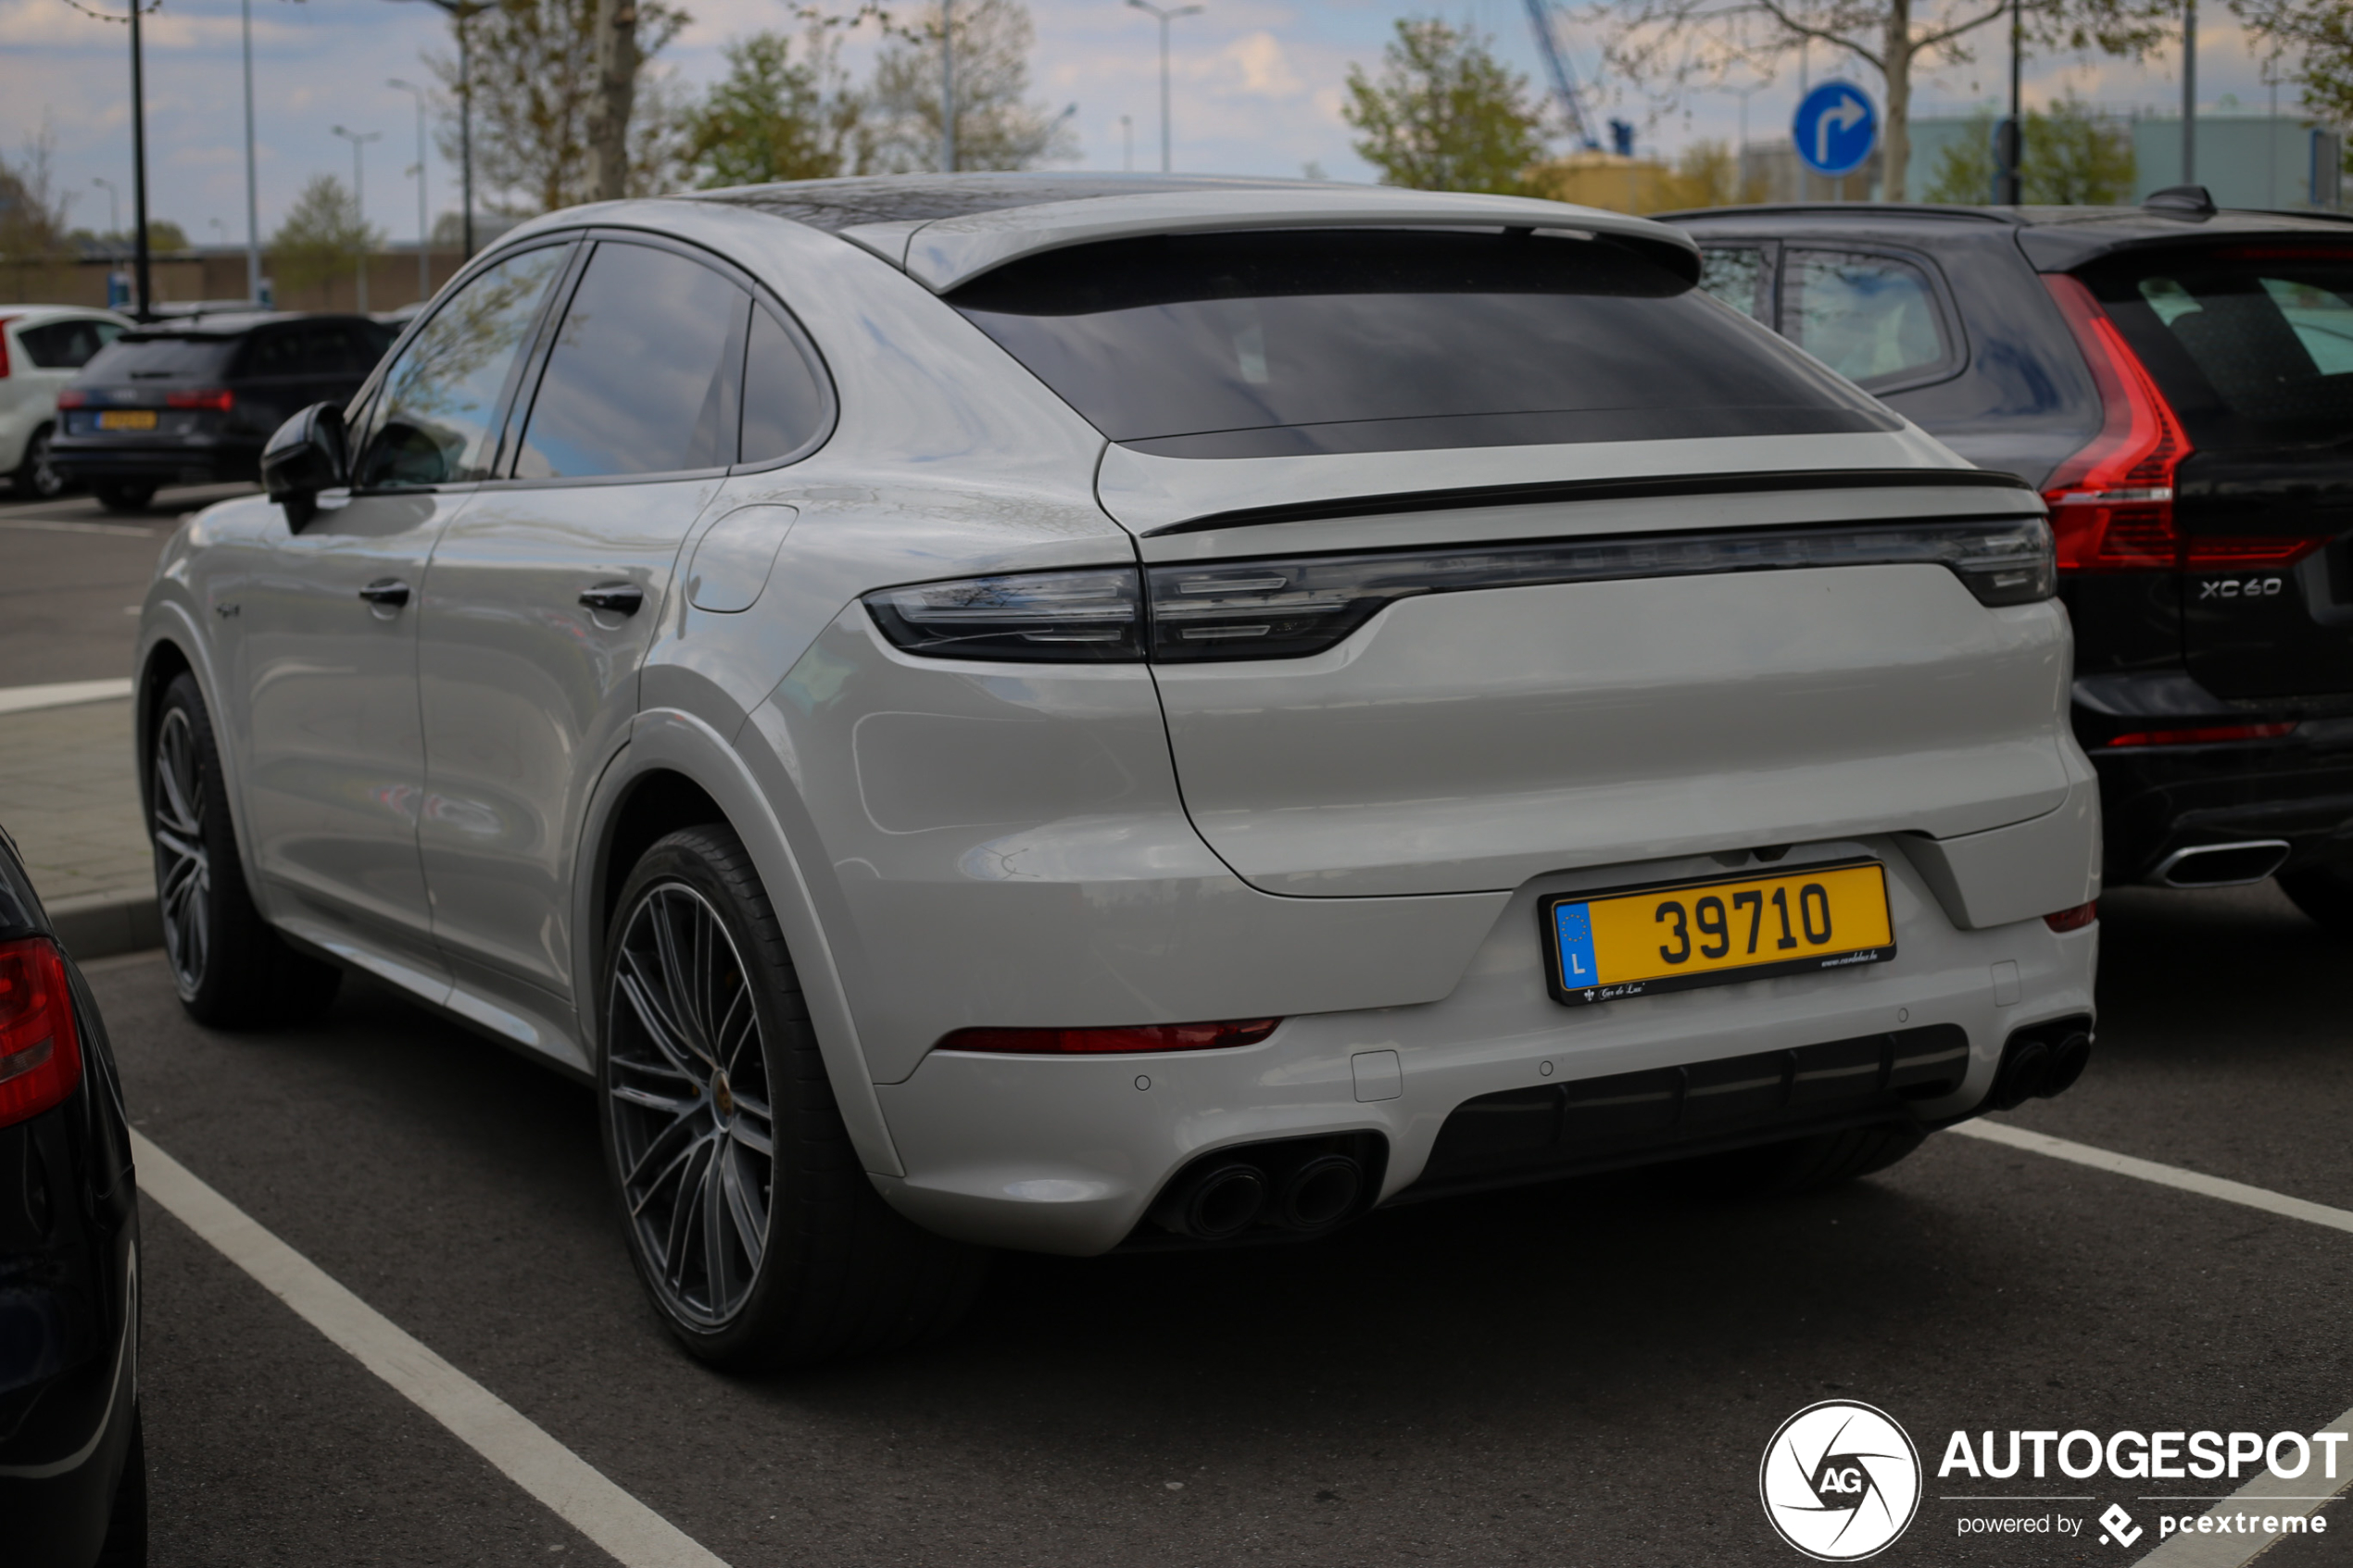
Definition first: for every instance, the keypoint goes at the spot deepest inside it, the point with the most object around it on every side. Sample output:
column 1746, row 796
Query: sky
column 1256, row 89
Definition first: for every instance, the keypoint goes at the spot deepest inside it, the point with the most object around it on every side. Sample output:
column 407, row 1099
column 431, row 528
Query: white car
column 1077, row 713
column 41, row 347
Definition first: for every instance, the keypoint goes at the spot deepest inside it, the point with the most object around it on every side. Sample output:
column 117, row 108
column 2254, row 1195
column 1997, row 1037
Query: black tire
column 126, row 1542
column 232, row 970
column 117, row 497
column 37, row 476
column 682, row 1090
column 2325, row 893
column 1803, row 1165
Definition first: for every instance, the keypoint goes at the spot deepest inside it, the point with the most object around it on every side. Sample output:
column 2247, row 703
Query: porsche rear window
column 1302, row 341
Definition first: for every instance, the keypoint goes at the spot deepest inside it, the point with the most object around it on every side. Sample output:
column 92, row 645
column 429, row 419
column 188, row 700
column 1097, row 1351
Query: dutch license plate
column 1716, row 931
column 126, row 419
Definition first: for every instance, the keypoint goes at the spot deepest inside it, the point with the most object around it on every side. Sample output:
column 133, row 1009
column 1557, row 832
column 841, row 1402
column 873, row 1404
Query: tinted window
column 784, row 398
column 66, row 346
column 1294, row 342
column 348, row 349
column 2259, row 339
column 431, row 422
column 136, row 356
column 276, row 351
column 644, row 374
column 1737, row 275
column 1869, row 317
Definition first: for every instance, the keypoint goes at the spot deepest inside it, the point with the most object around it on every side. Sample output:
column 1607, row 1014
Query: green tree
column 322, row 238
column 775, row 116
column 536, row 84
column 997, row 126
column 2072, row 157
column 2313, row 39
column 1445, row 114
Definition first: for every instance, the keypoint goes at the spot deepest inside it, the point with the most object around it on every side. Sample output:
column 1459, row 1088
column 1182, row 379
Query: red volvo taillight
column 3, row 348
column 40, row 1053
column 1105, row 1042
column 214, row 398
column 2203, row 735
column 2112, row 502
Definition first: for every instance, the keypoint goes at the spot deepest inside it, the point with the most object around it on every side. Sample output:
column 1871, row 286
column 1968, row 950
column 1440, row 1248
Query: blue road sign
column 1835, row 129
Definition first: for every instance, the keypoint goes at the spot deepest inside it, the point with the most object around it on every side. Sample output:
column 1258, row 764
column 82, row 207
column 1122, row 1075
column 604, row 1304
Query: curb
column 102, row 924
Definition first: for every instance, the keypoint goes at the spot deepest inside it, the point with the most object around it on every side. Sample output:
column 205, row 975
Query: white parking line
column 2265, row 1496
column 570, row 1485
column 2223, row 1545
column 60, row 525
column 62, row 694
column 2163, row 1175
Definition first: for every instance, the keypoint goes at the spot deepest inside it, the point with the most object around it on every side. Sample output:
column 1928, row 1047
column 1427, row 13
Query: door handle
column 621, row 598
column 390, row 592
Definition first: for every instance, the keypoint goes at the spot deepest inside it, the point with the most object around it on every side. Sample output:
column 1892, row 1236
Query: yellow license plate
column 1712, row 932
column 126, row 419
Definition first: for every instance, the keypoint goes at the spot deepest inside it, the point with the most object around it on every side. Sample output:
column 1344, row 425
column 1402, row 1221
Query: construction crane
column 1540, row 17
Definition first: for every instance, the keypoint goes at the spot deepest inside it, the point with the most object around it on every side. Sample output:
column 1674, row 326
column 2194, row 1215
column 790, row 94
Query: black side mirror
column 307, row 454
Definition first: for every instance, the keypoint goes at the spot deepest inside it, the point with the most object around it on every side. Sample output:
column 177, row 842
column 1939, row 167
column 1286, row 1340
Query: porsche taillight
column 2113, row 501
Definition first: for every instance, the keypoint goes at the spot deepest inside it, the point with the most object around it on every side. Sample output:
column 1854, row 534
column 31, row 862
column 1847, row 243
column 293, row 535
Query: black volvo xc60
column 73, row 1474
column 2178, row 383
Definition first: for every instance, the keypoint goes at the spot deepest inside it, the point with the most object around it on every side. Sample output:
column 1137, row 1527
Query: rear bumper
column 194, row 460
column 1067, row 1154
column 2159, row 800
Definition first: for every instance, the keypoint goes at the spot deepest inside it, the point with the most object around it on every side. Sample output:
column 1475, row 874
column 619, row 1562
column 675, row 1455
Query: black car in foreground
column 73, row 1471
column 2178, row 383
column 190, row 401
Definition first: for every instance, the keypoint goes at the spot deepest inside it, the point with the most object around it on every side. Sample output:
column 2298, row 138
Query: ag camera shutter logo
column 1840, row 1481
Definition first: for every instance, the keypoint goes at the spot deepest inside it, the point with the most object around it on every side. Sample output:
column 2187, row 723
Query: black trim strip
column 1593, row 490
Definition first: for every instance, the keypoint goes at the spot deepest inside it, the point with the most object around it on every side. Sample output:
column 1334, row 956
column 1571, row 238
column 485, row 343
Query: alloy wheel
column 183, row 867
column 687, row 1077
column 47, row 482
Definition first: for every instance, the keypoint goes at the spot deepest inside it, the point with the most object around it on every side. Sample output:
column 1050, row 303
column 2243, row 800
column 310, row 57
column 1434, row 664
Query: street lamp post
column 114, row 205
column 460, row 12
column 140, row 281
column 359, row 202
column 2189, row 92
column 425, row 228
column 252, row 180
column 1167, row 143
column 1128, row 135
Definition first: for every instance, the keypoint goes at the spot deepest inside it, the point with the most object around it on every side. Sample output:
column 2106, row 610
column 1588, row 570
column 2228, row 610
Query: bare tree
column 1689, row 44
column 997, row 127
column 537, row 66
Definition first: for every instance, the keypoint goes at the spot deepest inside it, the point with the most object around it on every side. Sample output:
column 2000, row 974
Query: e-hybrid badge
column 1714, row 931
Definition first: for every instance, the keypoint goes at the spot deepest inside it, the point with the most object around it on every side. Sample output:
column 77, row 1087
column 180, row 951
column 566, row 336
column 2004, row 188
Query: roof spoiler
column 944, row 253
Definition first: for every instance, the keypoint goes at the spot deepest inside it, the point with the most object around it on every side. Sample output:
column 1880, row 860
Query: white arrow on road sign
column 1849, row 110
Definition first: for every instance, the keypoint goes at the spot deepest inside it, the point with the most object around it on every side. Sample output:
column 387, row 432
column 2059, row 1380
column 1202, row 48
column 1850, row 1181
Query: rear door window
column 1873, row 319
column 2249, row 343
column 1267, row 344
column 431, row 422
column 786, row 406
column 66, row 346
column 645, row 371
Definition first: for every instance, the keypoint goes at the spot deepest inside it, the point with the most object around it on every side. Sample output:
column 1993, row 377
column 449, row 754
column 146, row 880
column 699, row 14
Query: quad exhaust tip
column 2041, row 1064
column 2222, row 865
column 1303, row 1188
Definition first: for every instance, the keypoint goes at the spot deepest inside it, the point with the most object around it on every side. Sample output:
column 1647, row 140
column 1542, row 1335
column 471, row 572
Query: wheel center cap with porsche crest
column 1840, row 1481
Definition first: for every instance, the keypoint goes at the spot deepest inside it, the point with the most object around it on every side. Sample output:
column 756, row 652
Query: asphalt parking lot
column 1583, row 1374
column 1578, row 1375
